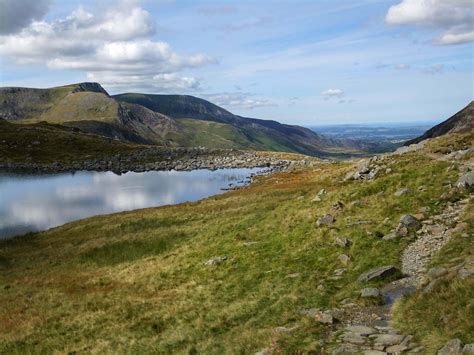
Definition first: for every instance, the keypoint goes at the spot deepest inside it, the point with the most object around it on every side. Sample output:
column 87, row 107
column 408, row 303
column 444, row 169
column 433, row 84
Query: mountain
column 168, row 120
column 461, row 122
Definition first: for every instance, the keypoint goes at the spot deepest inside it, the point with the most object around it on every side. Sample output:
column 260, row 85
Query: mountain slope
column 167, row 120
column 261, row 134
column 461, row 122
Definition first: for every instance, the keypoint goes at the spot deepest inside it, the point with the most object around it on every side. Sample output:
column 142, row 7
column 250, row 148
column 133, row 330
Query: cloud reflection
column 39, row 202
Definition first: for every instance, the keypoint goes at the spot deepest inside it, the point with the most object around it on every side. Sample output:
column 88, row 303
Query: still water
column 33, row 203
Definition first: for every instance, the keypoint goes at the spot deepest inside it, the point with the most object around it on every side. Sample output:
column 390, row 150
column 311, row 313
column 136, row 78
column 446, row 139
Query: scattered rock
column 403, row 192
column 325, row 220
column 452, row 347
column 285, row 329
column 216, row 261
column 370, row 292
column 342, row 242
column 468, row 349
column 325, row 317
column 410, row 222
column 388, row 339
column 344, row 259
column 378, row 273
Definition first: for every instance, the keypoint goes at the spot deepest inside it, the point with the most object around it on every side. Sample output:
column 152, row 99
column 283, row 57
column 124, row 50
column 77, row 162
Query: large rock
column 410, row 222
column 452, row 347
column 379, row 273
column 466, row 180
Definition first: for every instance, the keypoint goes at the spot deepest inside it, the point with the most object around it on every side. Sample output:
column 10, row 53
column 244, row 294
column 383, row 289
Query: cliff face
column 461, row 122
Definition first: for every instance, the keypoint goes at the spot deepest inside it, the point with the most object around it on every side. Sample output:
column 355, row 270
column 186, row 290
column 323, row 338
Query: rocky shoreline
column 153, row 159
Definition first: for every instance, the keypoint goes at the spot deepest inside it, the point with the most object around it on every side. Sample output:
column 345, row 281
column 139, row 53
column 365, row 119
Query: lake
column 33, row 203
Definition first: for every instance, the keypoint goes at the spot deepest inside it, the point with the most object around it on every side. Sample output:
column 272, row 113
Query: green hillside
column 165, row 120
column 242, row 271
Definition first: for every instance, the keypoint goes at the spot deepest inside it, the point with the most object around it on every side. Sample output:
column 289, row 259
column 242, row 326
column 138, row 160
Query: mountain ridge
column 165, row 120
column 460, row 122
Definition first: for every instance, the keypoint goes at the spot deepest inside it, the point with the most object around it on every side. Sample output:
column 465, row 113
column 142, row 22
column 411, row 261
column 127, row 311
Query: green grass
column 56, row 144
column 135, row 282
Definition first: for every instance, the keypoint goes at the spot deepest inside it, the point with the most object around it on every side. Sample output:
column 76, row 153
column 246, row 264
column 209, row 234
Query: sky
column 310, row 62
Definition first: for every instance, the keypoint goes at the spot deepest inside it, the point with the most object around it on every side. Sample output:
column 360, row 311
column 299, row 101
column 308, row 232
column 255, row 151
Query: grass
column 136, row 282
column 46, row 143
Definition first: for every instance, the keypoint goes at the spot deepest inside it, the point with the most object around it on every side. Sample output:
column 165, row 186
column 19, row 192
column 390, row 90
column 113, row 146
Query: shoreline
column 151, row 160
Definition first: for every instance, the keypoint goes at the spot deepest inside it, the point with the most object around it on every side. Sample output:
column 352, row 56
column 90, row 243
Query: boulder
column 325, row 220
column 466, row 180
column 379, row 273
column 410, row 222
column 370, row 292
column 452, row 347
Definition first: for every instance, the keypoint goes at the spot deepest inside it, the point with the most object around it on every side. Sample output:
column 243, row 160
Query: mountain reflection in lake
column 32, row 203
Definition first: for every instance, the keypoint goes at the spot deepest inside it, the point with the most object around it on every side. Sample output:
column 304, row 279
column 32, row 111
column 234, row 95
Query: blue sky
column 301, row 62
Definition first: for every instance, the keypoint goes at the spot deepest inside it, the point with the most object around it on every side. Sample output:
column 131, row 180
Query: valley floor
column 253, row 269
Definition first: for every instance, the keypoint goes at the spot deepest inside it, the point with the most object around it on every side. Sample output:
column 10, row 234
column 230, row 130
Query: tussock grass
column 135, row 282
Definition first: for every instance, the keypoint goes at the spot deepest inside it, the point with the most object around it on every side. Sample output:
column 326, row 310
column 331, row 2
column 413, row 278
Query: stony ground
column 367, row 330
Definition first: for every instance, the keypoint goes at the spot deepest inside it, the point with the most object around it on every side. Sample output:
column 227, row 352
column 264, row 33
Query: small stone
column 266, row 351
column 390, row 236
column 389, row 339
column 342, row 242
column 403, row 192
column 321, row 287
column 361, row 330
column 344, row 259
column 325, row 317
column 452, row 347
column 325, row 220
column 370, row 292
column 216, row 261
column 338, row 206
column 410, row 222
column 401, row 231
column 396, row 349
column 285, row 329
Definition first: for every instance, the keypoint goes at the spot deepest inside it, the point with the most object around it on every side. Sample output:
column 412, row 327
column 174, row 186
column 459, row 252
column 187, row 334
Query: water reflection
column 31, row 203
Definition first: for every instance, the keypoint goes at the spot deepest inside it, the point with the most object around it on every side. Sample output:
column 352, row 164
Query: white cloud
column 330, row 93
column 239, row 100
column 402, row 66
column 113, row 46
column 455, row 18
column 17, row 14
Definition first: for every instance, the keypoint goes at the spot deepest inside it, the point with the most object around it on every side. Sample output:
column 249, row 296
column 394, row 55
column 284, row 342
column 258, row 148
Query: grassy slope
column 136, row 281
column 57, row 143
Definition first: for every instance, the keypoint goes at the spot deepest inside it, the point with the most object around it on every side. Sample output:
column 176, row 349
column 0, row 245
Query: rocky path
column 367, row 330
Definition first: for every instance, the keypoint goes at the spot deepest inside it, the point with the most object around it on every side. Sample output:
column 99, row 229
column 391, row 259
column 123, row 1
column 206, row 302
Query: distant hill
column 461, row 122
column 168, row 120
